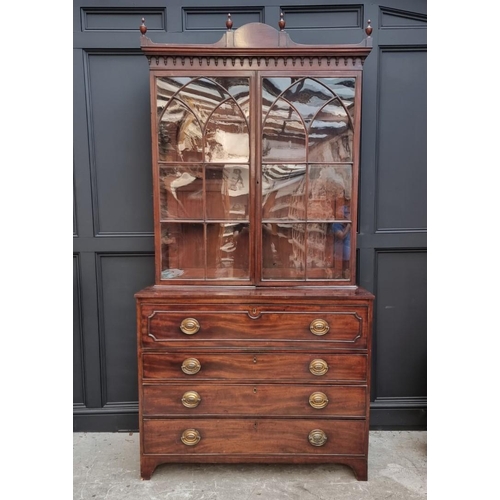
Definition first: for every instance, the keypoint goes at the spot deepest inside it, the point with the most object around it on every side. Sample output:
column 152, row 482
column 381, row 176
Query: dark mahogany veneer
column 262, row 355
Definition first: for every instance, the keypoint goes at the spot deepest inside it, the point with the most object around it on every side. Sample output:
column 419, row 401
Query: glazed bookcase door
column 230, row 142
column 308, row 178
column 203, row 129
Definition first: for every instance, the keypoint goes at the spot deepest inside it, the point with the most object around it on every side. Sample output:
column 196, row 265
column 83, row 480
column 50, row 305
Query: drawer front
column 314, row 367
column 254, row 436
column 254, row 399
column 261, row 327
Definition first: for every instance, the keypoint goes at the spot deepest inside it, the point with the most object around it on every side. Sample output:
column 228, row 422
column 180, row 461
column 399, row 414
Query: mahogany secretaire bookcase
column 254, row 344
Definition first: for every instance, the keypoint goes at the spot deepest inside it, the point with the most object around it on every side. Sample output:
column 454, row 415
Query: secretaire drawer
column 314, row 367
column 254, row 399
column 261, row 436
column 258, row 326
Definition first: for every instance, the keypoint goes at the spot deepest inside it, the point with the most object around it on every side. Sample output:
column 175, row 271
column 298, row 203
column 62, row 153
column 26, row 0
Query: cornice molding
column 255, row 44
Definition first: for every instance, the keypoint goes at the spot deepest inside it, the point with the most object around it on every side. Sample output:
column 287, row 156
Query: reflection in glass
column 330, row 135
column 179, row 134
column 181, row 192
column 204, row 121
column 283, row 135
column 227, row 188
column 182, row 251
column 200, row 116
column 307, row 96
column 238, row 88
column 298, row 203
column 343, row 88
column 184, row 255
column 226, row 135
column 313, row 251
column 280, row 184
column 203, row 95
column 341, row 249
column 318, row 255
column 228, row 250
column 329, row 192
column 283, row 251
column 307, row 131
column 314, row 111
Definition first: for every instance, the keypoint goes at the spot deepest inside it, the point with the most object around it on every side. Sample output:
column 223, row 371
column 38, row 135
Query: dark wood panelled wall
column 113, row 208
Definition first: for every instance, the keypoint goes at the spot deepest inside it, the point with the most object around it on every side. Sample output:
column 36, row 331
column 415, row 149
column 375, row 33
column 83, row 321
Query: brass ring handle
column 191, row 399
column 318, row 400
column 319, row 327
column 317, row 437
column 190, row 366
column 189, row 326
column 190, row 437
column 318, row 366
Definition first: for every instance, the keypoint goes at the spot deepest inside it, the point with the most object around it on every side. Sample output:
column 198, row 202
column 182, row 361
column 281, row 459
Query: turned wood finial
column 281, row 23
column 229, row 22
column 143, row 27
column 369, row 29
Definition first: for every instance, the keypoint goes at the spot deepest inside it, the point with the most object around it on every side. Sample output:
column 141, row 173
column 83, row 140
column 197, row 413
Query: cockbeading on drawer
column 344, row 328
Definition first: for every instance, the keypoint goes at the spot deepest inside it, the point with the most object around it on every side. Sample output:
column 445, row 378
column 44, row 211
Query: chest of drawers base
column 254, row 377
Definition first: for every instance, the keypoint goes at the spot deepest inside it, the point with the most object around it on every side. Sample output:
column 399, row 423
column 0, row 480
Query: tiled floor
column 106, row 466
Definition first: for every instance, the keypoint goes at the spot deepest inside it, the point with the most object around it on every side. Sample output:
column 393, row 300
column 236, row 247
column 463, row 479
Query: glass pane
column 284, row 136
column 226, row 135
column 185, row 105
column 228, row 250
column 341, row 233
column 297, row 210
column 273, row 87
column 238, row 88
column 203, row 95
column 330, row 189
column 326, row 251
column 182, row 251
column 283, row 251
column 181, row 192
column 319, row 251
column 307, row 96
column 344, row 89
column 227, row 192
column 166, row 88
column 282, row 189
column 179, row 134
column 330, row 135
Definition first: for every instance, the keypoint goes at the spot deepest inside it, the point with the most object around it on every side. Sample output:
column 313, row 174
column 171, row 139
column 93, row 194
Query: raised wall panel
column 75, row 222
column 402, row 140
column 118, row 101
column 314, row 17
column 401, row 312
column 215, row 18
column 78, row 380
column 120, row 276
column 122, row 19
column 393, row 18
